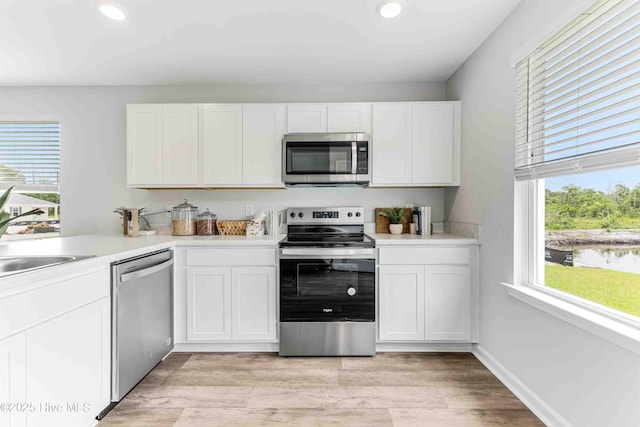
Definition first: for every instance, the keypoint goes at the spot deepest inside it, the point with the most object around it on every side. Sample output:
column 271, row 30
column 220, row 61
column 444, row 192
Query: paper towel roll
column 425, row 220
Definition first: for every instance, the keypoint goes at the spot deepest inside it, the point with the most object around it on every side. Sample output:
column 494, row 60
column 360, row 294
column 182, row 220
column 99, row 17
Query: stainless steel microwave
column 326, row 159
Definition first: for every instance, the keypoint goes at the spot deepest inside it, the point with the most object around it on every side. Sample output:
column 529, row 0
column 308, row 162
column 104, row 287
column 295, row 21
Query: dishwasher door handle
column 145, row 271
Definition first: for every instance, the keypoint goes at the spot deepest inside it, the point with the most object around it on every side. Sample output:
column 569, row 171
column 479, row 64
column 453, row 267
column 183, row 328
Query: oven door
column 327, row 289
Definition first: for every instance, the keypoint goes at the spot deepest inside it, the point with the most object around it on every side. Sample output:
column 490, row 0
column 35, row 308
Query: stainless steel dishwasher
column 142, row 319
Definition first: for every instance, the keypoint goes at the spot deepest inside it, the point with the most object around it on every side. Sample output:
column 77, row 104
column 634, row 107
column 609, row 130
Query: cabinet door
column 349, row 118
column 433, row 143
column 391, row 135
column 254, row 303
column 144, row 144
column 180, row 144
column 12, row 379
column 306, row 118
column 262, row 130
column 68, row 363
column 447, row 303
column 401, row 303
column 221, row 145
column 209, row 303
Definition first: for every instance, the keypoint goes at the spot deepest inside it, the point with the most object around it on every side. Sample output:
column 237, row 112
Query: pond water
column 617, row 258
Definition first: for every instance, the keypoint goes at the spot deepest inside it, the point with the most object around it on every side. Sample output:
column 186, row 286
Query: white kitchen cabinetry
column 13, row 379
column 353, row 117
column 339, row 117
column 240, row 145
column 447, row 303
column 416, row 144
column 306, row 118
column 253, row 297
column 209, row 303
column 391, row 144
column 180, row 144
column 427, row 294
column 401, row 303
column 230, row 295
column 68, row 364
column 262, row 130
column 162, row 145
column 144, row 144
column 55, row 351
column 221, row 142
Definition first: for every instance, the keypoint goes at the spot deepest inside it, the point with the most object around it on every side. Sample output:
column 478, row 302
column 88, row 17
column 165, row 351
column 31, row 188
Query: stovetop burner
column 363, row 241
column 335, row 227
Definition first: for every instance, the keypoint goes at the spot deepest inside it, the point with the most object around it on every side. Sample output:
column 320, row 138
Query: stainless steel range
column 327, row 284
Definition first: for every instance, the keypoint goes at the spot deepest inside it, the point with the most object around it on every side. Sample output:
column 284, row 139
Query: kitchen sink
column 20, row 264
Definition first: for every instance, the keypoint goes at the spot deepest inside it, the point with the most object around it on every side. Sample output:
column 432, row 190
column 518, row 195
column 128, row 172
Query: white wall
column 585, row 380
column 93, row 173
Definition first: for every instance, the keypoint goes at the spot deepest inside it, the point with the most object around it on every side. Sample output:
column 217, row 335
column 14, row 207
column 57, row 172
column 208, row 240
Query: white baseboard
column 226, row 347
column 539, row 407
column 229, row 347
column 423, row 347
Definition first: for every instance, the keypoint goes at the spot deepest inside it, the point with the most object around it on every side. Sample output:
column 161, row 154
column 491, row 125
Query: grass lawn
column 607, row 287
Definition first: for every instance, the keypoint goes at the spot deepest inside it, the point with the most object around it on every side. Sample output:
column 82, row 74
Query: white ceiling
column 68, row 42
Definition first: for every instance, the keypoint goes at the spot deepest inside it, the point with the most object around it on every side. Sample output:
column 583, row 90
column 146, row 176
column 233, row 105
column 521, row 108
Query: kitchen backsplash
column 463, row 229
column 230, row 204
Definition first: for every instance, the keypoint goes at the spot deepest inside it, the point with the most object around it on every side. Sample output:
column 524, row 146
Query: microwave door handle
column 354, row 157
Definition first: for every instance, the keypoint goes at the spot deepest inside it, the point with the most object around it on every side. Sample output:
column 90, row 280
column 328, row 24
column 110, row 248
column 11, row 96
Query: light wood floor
column 389, row 389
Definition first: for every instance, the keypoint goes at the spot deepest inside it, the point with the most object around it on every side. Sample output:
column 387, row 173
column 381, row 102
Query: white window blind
column 578, row 95
column 30, row 156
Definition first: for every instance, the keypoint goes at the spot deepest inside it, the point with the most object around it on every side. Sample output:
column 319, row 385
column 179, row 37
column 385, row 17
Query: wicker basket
column 232, row 227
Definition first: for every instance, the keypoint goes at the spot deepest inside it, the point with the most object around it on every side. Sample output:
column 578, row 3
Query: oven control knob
column 300, row 214
column 351, row 291
column 349, row 214
column 293, row 214
column 357, row 214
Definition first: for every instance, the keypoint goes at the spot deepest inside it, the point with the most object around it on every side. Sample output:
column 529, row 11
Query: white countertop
column 385, row 239
column 107, row 249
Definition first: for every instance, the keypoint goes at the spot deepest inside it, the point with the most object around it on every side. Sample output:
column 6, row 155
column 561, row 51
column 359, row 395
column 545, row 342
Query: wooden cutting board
column 382, row 222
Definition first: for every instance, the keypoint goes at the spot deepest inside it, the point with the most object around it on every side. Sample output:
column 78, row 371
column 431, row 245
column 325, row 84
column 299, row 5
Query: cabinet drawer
column 424, row 256
column 224, row 256
column 24, row 310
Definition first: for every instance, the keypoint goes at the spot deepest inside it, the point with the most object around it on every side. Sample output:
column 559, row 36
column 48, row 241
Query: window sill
column 625, row 336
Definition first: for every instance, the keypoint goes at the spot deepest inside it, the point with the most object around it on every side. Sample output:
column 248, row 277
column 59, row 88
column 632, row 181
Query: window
column 578, row 155
column 30, row 161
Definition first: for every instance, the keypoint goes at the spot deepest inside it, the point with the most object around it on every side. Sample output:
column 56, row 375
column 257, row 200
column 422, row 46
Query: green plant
column 5, row 218
column 395, row 215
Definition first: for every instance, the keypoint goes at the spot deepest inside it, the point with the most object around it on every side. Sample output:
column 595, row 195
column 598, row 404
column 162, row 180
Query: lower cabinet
column 13, row 385
column 68, row 365
column 425, row 302
column 58, row 372
column 231, row 303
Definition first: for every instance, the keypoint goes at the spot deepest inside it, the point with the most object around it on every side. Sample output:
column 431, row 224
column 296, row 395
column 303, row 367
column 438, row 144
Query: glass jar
column 206, row 223
column 183, row 219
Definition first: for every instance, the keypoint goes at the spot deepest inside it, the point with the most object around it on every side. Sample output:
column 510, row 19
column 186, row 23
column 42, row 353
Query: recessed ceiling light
column 112, row 10
column 389, row 9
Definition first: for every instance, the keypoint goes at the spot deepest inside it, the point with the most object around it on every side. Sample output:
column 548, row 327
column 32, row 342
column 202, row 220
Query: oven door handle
column 328, row 252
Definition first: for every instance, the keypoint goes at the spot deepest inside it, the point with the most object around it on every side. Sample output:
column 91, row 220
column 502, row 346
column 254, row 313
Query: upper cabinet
column 262, row 130
column 348, row 117
column 221, row 157
column 162, row 145
column 416, row 144
column 306, row 118
column 413, row 144
column 391, row 143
